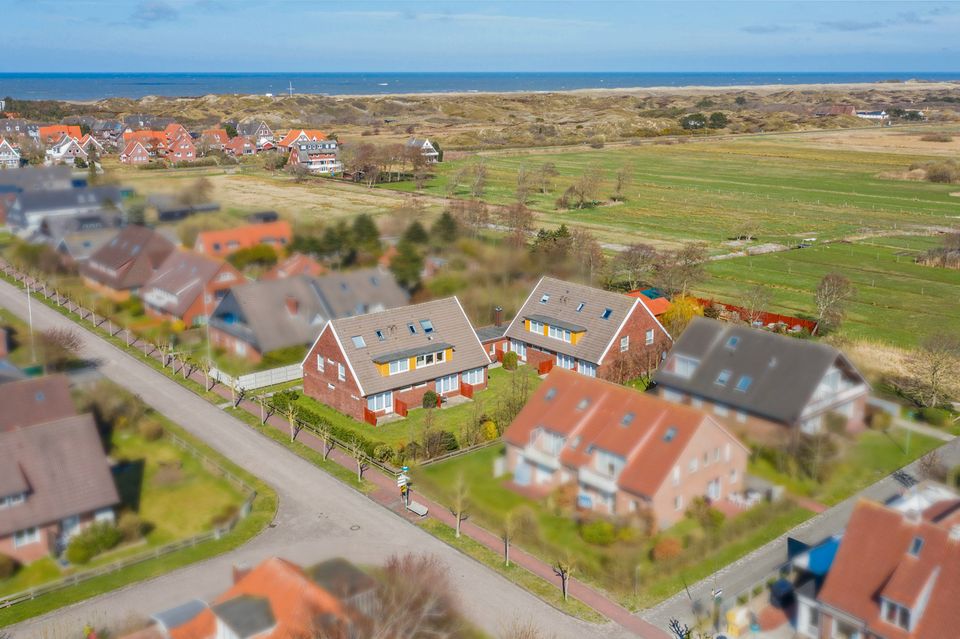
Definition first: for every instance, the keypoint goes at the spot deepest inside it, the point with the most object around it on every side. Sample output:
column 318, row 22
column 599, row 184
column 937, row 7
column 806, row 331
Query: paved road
column 759, row 564
column 318, row 517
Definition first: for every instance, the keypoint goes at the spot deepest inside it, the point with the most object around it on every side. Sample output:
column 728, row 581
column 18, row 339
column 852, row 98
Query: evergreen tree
column 415, row 234
column 407, row 264
column 366, row 236
column 445, row 230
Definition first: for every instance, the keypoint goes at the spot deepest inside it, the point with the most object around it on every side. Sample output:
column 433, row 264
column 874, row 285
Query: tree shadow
column 129, row 476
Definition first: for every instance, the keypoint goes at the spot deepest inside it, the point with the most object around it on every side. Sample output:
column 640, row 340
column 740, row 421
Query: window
column 474, row 376
column 429, row 359
column 607, row 312
column 627, row 419
column 669, row 437
column 26, row 537
column 381, row 401
column 684, row 366
column 551, row 393
column 447, row 384
column 566, row 361
column 520, row 348
column 104, row 514
column 726, row 453
column 426, row 325
column 412, row 328
column 12, row 500
column 693, row 465
column 544, row 298
column 721, row 410
column 583, row 403
column 649, row 337
column 678, row 502
column 380, row 336
column 588, row 369
column 559, row 333
column 358, row 341
column 744, row 383
column 716, row 454
column 741, row 417
column 341, row 372
column 732, row 343
column 916, row 546
column 733, row 475
column 624, row 343
column 399, row 366
column 320, row 363
column 536, row 327
column 580, row 306
column 722, row 378
column 675, row 475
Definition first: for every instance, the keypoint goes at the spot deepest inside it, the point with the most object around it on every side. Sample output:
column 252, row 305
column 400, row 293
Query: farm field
column 897, row 300
column 782, row 188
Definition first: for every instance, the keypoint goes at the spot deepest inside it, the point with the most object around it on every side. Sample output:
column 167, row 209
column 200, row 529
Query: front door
column 68, row 528
column 713, row 490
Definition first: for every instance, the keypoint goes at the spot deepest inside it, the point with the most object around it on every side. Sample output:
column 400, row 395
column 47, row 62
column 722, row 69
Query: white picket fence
column 260, row 379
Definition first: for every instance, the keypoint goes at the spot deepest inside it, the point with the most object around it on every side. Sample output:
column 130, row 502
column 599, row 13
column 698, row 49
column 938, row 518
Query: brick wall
column 226, row 341
column 646, row 357
column 325, row 386
column 31, row 552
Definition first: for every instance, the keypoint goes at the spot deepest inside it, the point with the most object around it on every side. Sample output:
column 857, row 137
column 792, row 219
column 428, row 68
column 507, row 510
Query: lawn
column 551, row 534
column 870, row 458
column 896, row 301
column 18, row 339
column 450, row 419
column 783, row 188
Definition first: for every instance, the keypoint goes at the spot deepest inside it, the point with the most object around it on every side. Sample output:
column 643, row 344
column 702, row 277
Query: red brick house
column 224, row 242
column 895, row 575
column 378, row 364
column 55, row 480
column 624, row 450
column 760, row 383
column 240, row 146
column 182, row 149
column 215, row 138
column 135, row 153
column 295, row 136
column 588, row 330
column 155, row 142
column 188, row 287
column 174, row 130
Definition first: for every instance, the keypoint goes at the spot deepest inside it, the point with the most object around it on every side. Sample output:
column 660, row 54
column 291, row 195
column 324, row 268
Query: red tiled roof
column 874, row 561
column 220, row 135
column 559, row 406
column 154, row 138
column 657, row 306
column 296, row 264
column 56, row 131
column 293, row 134
column 230, row 240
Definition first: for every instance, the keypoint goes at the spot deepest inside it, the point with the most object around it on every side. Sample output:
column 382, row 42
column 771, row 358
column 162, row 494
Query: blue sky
column 522, row 35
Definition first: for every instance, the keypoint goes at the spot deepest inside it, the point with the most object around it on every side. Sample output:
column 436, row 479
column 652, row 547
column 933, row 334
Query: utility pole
column 290, row 89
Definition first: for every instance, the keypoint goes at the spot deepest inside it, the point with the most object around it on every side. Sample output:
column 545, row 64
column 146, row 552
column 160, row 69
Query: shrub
column 935, row 416
column 953, row 477
column 91, row 542
column 489, row 430
column 8, row 566
column 936, row 137
column 150, row 429
column 666, row 548
column 598, row 532
column 510, row 361
column 382, row 452
column 438, row 442
column 131, row 527
column 881, row 420
column 430, row 399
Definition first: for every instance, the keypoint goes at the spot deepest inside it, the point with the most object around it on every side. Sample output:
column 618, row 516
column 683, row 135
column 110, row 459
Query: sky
column 478, row 35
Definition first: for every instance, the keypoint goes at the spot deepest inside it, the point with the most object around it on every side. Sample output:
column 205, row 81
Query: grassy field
column 782, row 187
column 897, row 300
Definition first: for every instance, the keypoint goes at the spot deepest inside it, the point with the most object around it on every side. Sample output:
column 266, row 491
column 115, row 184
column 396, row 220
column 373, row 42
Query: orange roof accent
column 600, row 423
column 56, row 131
column 147, row 137
column 220, row 135
column 295, row 601
column 657, row 306
column 174, row 130
column 293, row 134
column 296, row 264
column 227, row 241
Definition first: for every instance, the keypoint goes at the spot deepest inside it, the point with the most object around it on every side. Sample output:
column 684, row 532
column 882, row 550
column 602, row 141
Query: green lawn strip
column 18, row 338
column 550, row 593
column 346, row 475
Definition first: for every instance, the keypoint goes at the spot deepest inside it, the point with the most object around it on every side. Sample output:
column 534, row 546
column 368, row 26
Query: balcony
column 835, row 399
column 536, row 456
column 593, row 479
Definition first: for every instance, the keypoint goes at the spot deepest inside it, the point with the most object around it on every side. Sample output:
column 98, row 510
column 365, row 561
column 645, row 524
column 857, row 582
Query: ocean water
column 92, row 86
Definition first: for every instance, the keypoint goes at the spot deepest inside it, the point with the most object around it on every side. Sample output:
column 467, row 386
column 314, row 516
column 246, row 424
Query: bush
column 489, row 430
column 880, row 420
column 438, row 442
column 8, row 566
column 131, row 527
column 91, row 542
column 510, row 361
column 935, row 416
column 666, row 548
column 936, row 137
column 953, row 477
column 598, row 532
column 259, row 255
column 430, row 399
column 150, row 429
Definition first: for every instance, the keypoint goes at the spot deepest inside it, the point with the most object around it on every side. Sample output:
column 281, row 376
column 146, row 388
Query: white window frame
column 586, row 368
column 320, row 366
column 104, row 514
column 624, row 343
column 26, row 537
column 536, row 327
column 381, row 402
column 568, row 362
column 473, row 376
column 447, row 384
column 341, row 372
column 398, row 366
column 648, row 339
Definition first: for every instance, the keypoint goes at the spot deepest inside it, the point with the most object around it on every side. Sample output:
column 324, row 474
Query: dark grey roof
column 783, row 371
column 55, row 229
column 179, row 615
column 32, row 202
column 341, row 578
column 365, row 290
column 246, row 615
column 490, row 333
column 64, row 465
column 180, row 279
column 553, row 321
column 35, row 178
column 250, row 127
column 432, row 347
column 83, row 244
column 130, row 259
column 35, row 400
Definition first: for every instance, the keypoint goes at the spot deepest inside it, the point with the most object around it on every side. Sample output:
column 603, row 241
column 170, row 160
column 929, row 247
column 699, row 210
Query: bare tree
column 57, row 347
column 415, row 601
column 291, row 412
column 325, row 435
column 674, row 272
column 206, row 366
column 518, row 220
column 359, row 454
column 474, row 215
column 936, row 368
column 832, row 295
column 587, row 254
column 622, row 182
column 459, row 502
column 756, row 300
column 478, row 181
column 545, row 175
column 636, row 264
column 458, row 178
column 522, row 630
column 523, row 184
column 563, row 568
column 507, row 533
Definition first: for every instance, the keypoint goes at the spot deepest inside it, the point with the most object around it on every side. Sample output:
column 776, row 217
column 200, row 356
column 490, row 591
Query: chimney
column 240, row 571
column 292, row 305
column 498, row 316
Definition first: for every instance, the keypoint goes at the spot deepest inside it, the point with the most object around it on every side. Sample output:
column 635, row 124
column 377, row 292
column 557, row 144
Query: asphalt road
column 318, row 517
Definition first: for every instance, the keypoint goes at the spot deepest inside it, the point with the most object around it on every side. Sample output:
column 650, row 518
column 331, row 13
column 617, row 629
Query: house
column 872, row 115
column 17, row 128
column 91, row 144
column 833, row 110
column 589, row 330
column 427, row 149
column 625, row 451
column 296, row 136
column 9, row 155
column 145, row 121
column 170, row 209
column 122, row 266
column 374, row 365
column 352, row 586
column 29, row 209
column 258, row 131
column 187, row 287
column 762, row 383
column 895, row 575
column 320, row 156
column 54, row 231
column 54, row 482
column 75, row 247
column 39, row 178
column 214, row 139
column 275, row 600
column 109, row 131
column 155, row 142
column 36, row 400
column 656, row 305
column 135, row 152
column 173, row 131
column 53, row 133
column 493, row 336
column 65, row 151
column 259, row 317
column 239, row 146
column 182, row 149
column 222, row 243
column 296, row 264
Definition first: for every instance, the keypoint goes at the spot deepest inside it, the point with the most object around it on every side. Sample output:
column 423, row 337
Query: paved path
column 923, row 429
column 318, row 518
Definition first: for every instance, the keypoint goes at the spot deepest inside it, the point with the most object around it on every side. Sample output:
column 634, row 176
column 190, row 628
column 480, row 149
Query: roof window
column 607, row 312
column 670, row 435
column 916, row 546
column 744, row 383
column 412, row 328
column 722, row 378
column 358, row 341
column 580, row 306
column 380, row 336
column 426, row 325
column 551, row 393
column 732, row 342
column 545, row 298
column 627, row 419
column 583, row 403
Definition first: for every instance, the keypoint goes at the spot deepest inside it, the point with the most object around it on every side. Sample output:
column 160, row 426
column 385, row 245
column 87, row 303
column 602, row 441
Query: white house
column 427, row 149
column 9, row 155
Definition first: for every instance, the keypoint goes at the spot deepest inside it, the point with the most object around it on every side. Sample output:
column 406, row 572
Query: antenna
column 290, row 88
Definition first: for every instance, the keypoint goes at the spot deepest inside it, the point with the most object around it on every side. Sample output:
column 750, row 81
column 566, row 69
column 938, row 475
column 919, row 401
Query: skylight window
column 551, row 393
column 627, row 419
column 732, row 342
column 358, row 341
column 607, row 312
column 580, row 306
column 380, row 336
column 744, row 383
column 583, row 403
column 412, row 328
column 545, row 298
column 426, row 325
column 723, row 378
column 670, row 435
column 915, row 546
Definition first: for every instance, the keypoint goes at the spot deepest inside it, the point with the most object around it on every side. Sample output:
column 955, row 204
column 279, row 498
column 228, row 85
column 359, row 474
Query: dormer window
column 896, row 615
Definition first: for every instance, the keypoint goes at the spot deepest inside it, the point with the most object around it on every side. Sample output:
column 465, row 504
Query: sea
column 93, row 86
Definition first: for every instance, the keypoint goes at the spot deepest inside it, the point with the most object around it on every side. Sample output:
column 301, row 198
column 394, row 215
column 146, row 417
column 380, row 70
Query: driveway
column 318, row 517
